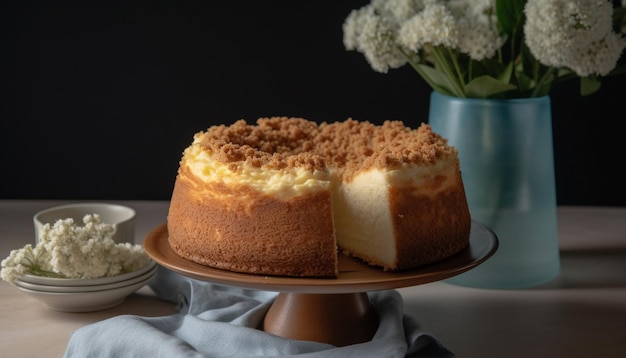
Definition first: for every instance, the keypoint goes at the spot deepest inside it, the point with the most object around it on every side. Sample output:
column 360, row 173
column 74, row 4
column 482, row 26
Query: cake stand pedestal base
column 337, row 311
column 337, row 319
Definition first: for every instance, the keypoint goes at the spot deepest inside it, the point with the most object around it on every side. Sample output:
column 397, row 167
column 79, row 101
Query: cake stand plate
column 329, row 310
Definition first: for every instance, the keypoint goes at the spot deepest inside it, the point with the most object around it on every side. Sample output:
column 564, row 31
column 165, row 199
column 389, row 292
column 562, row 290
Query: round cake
column 284, row 195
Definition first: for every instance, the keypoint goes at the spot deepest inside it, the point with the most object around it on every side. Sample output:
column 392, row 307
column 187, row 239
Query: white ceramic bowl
column 122, row 217
column 52, row 281
column 86, row 301
column 48, row 288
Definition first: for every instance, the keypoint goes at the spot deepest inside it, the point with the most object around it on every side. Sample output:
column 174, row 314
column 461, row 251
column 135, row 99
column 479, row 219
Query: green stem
column 37, row 271
column 442, row 64
column 419, row 70
column 457, row 69
column 541, row 81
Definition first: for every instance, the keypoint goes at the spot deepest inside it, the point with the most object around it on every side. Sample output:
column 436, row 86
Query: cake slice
column 399, row 203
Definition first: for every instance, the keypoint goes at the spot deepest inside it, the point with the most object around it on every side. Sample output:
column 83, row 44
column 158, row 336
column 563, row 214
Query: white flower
column 29, row 259
column 574, row 34
column 12, row 266
column 374, row 36
column 598, row 57
column 478, row 26
column 434, row 26
column 71, row 251
column 457, row 46
column 400, row 11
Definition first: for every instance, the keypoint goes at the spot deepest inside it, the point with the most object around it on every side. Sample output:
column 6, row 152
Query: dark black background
column 99, row 99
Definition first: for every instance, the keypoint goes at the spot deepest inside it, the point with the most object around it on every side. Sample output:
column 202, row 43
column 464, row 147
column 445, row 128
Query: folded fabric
column 221, row 321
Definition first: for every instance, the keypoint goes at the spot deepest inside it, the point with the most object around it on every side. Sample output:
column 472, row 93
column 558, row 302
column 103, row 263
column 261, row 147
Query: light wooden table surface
column 580, row 314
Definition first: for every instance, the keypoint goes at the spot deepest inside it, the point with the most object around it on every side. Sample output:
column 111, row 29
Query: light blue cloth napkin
column 220, row 321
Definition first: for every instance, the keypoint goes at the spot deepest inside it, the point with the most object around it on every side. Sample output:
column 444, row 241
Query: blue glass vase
column 507, row 165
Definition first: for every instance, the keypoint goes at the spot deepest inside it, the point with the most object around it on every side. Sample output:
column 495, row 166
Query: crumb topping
column 274, row 143
column 350, row 146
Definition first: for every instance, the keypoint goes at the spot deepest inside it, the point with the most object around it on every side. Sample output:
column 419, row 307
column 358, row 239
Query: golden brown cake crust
column 251, row 232
column 429, row 228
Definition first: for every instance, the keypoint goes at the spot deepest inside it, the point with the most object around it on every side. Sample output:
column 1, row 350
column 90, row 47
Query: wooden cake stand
column 328, row 310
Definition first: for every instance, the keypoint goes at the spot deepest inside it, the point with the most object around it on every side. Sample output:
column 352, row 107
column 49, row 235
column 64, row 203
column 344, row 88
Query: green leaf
column 437, row 80
column 589, row 85
column 493, row 68
column 506, row 73
column 487, row 87
column 619, row 18
column 529, row 64
column 510, row 15
column 524, row 82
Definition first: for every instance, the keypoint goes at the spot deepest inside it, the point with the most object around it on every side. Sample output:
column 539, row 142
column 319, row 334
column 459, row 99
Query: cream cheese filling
column 283, row 183
column 419, row 175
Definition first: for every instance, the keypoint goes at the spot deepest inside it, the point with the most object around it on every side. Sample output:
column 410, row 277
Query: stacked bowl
column 85, row 295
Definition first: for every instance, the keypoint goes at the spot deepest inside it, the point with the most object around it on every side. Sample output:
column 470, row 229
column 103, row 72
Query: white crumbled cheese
column 68, row 250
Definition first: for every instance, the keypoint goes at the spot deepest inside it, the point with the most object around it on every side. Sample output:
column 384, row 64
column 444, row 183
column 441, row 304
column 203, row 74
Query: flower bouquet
column 492, row 48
